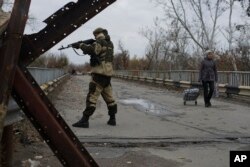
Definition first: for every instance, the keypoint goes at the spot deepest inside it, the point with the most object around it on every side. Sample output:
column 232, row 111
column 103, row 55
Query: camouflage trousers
column 100, row 85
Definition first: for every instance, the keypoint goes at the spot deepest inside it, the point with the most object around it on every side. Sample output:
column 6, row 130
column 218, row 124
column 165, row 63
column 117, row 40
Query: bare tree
column 183, row 11
column 124, row 55
column 121, row 59
column 242, row 50
column 200, row 20
column 229, row 35
column 246, row 6
column 166, row 47
column 51, row 60
column 155, row 39
column 177, row 42
column 230, row 31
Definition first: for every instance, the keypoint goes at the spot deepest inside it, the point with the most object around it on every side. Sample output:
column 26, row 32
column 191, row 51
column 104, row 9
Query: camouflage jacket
column 103, row 49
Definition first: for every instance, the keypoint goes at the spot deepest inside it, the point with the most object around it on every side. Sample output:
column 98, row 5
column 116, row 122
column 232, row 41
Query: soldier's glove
column 87, row 49
column 83, row 46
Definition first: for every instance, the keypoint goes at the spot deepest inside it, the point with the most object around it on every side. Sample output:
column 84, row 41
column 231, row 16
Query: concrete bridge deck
column 155, row 128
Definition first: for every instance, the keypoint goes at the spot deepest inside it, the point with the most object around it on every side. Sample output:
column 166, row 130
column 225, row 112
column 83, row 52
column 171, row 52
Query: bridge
column 153, row 123
column 154, row 127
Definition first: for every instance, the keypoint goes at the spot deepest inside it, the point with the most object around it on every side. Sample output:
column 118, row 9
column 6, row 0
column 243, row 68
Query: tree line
column 181, row 61
column 178, row 39
column 51, row 60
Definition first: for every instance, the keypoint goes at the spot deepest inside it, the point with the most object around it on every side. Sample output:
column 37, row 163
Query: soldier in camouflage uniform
column 101, row 53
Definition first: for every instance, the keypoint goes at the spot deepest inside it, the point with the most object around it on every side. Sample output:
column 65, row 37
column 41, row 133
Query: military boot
column 112, row 120
column 83, row 123
column 112, row 112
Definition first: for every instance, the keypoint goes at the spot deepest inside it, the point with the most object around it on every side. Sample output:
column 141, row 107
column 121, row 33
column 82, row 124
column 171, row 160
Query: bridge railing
column 44, row 75
column 230, row 78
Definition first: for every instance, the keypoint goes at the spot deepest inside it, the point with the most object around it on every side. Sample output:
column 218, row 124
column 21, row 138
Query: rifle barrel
column 62, row 48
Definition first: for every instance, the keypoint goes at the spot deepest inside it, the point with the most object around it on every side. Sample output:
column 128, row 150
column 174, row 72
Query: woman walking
column 208, row 75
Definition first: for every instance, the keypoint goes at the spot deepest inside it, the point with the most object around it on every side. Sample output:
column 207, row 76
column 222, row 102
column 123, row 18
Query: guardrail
column 46, row 78
column 229, row 82
column 230, row 78
column 44, row 75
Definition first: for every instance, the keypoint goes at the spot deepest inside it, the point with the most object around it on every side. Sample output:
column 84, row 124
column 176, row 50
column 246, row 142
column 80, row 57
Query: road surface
column 154, row 128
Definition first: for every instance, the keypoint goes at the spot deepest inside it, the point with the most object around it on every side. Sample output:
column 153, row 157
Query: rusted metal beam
column 60, row 25
column 7, row 146
column 1, row 4
column 34, row 102
column 48, row 121
column 9, row 51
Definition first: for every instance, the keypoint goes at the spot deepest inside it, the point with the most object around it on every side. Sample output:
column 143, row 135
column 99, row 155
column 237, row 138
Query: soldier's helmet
column 98, row 31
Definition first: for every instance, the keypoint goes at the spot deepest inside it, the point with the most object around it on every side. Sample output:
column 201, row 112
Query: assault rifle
column 94, row 60
column 76, row 44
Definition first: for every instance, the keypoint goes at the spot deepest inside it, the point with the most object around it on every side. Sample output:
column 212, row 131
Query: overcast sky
column 123, row 19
